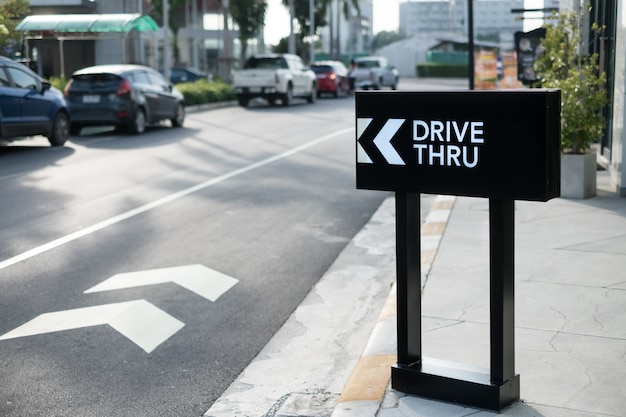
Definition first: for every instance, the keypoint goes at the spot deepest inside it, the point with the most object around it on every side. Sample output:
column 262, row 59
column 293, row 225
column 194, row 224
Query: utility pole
column 292, row 36
column 311, row 31
column 166, row 38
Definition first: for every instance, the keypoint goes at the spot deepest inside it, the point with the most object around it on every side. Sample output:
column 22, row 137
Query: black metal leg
column 502, row 295
column 409, row 275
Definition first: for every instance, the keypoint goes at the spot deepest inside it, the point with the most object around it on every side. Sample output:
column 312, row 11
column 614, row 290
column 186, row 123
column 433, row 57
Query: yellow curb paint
column 369, row 379
column 442, row 205
column 389, row 309
column 428, row 256
column 371, row 375
column 433, row 228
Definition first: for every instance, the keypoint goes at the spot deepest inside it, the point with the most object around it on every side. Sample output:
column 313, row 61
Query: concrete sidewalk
column 570, row 259
column 333, row 355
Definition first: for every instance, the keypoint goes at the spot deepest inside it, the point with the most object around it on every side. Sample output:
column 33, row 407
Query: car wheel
column 180, row 116
column 243, row 102
column 139, row 123
column 312, row 95
column 272, row 101
column 60, row 130
column 288, row 96
column 394, row 86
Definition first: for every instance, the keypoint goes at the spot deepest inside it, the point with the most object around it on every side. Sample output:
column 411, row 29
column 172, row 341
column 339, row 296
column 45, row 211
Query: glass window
column 22, row 79
column 140, row 77
column 4, row 79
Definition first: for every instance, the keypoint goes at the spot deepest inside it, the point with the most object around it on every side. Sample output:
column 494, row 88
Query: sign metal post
column 499, row 145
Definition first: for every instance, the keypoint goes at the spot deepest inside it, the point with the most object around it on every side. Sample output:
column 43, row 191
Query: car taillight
column 276, row 79
column 66, row 90
column 371, row 75
column 124, row 88
column 332, row 76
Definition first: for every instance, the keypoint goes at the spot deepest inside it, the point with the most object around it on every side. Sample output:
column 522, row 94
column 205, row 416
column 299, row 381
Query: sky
column 386, row 14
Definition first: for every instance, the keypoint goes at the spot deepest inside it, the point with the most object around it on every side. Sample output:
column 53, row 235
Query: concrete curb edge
column 365, row 388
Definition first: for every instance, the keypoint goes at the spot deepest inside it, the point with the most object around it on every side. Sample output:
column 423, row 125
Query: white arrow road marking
column 204, row 281
column 361, row 124
column 143, row 323
column 383, row 141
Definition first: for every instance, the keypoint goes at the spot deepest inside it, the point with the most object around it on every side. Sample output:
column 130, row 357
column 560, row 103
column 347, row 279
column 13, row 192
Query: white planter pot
column 578, row 175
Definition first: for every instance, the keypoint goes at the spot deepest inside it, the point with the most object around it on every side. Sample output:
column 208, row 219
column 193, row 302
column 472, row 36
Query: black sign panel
column 497, row 144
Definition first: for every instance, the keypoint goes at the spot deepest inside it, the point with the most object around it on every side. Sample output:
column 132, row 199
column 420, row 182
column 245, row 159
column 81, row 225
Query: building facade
column 493, row 19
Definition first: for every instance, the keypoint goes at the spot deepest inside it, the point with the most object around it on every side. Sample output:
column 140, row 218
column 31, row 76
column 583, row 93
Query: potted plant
column 565, row 65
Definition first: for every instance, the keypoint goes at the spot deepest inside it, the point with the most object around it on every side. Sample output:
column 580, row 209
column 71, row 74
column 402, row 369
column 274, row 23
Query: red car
column 332, row 78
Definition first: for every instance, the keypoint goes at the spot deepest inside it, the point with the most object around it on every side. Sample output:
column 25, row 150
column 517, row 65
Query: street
column 140, row 274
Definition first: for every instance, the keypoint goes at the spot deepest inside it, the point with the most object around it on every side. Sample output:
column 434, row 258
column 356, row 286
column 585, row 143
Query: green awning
column 86, row 24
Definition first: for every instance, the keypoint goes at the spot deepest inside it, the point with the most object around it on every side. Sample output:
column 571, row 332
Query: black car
column 125, row 96
column 29, row 105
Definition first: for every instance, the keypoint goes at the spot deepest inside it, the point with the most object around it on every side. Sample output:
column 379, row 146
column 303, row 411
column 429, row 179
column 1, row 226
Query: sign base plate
column 456, row 383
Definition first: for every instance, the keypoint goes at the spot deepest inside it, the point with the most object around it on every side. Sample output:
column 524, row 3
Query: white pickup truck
column 274, row 77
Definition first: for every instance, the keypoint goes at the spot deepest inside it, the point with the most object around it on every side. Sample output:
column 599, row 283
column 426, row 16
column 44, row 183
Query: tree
column 249, row 15
column 174, row 24
column 345, row 6
column 384, row 38
column 322, row 9
column 565, row 65
column 11, row 12
column 302, row 16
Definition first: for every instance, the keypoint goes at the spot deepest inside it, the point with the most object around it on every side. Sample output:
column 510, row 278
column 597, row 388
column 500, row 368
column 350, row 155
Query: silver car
column 374, row 72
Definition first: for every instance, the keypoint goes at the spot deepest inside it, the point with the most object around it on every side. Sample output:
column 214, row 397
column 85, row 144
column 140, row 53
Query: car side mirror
column 45, row 85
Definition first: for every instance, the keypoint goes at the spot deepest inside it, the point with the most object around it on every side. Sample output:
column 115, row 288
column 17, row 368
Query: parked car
column 374, row 72
column 274, row 77
column 125, row 96
column 29, row 105
column 332, row 78
column 188, row 74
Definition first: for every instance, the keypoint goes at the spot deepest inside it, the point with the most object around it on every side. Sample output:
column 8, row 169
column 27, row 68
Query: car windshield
column 318, row 69
column 266, row 63
column 87, row 81
column 367, row 64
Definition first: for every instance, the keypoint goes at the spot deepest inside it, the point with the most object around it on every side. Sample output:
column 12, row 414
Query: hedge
column 442, row 70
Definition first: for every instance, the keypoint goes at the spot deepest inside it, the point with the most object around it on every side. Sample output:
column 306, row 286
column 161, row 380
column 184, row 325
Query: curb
column 365, row 388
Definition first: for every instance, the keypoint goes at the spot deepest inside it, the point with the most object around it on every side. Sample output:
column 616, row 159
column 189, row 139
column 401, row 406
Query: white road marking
column 167, row 199
column 204, row 281
column 140, row 321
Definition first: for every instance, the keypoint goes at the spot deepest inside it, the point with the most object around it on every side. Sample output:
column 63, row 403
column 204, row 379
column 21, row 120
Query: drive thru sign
column 474, row 143
column 503, row 145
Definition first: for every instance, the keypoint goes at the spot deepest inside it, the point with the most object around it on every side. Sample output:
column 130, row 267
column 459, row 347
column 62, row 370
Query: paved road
column 235, row 217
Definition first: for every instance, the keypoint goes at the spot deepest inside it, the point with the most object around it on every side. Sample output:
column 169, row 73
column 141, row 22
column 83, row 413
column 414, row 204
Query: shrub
column 441, row 70
column 203, row 92
column 564, row 66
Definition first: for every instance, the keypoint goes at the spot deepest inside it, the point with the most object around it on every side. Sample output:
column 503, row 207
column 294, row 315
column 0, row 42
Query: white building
column 491, row 18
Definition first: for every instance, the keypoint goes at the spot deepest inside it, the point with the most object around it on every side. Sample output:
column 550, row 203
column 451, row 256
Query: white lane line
column 167, row 199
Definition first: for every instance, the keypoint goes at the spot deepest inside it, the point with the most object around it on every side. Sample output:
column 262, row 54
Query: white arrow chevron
column 383, row 141
column 204, row 281
column 143, row 323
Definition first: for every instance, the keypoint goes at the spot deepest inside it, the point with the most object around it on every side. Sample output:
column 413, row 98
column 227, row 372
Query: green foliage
column 204, row 91
column 583, row 88
column 442, row 70
column 249, row 16
column 385, row 38
column 11, row 12
column 58, row 82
